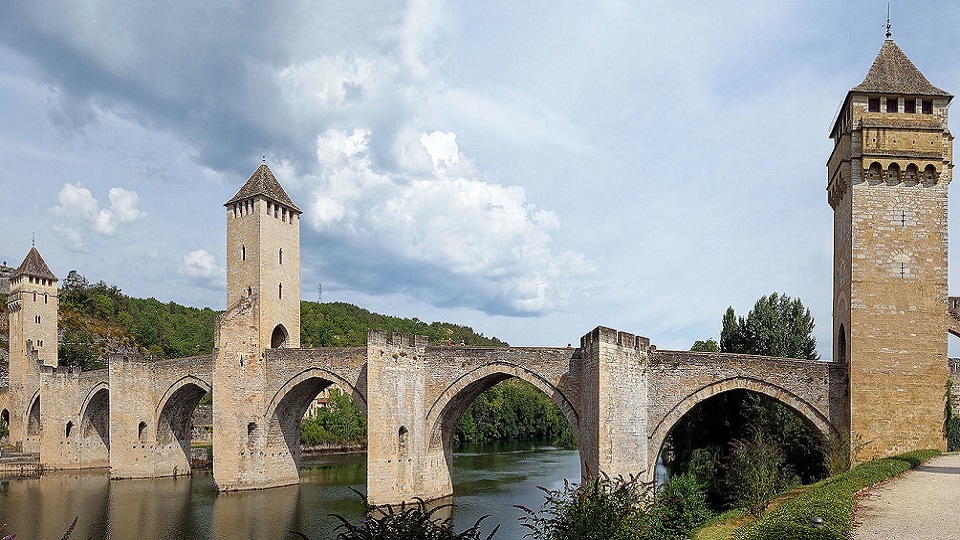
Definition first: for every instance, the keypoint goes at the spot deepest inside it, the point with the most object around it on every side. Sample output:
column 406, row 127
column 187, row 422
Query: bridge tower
column 32, row 306
column 887, row 184
column 263, row 256
column 263, row 311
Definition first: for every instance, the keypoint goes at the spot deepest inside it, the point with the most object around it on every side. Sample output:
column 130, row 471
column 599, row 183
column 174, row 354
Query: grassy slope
column 832, row 499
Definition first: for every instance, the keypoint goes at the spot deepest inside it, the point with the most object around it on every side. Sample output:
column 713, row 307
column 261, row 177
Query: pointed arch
column 810, row 414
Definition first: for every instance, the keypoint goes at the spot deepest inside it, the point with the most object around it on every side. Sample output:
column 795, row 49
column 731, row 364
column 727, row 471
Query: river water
column 487, row 480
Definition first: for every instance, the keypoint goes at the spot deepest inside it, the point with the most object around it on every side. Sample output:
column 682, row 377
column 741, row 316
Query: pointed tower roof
column 265, row 184
column 33, row 265
column 893, row 73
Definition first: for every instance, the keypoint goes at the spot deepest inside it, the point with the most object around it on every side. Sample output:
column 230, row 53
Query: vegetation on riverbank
column 831, row 499
column 514, row 410
column 341, row 423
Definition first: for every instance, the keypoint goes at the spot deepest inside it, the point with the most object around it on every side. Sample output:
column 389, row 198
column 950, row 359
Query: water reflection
column 190, row 508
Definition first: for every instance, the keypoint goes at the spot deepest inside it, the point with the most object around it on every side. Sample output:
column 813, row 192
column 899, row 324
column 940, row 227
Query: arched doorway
column 279, row 338
column 5, row 424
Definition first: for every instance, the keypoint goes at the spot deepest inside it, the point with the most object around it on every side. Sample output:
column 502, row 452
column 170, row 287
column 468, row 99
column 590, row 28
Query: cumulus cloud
column 482, row 244
column 201, row 267
column 78, row 208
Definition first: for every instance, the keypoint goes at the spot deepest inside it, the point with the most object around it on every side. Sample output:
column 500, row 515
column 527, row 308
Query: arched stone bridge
column 620, row 395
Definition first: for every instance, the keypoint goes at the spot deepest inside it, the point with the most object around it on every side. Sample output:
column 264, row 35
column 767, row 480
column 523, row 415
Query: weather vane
column 33, row 239
column 888, row 21
column 264, row 158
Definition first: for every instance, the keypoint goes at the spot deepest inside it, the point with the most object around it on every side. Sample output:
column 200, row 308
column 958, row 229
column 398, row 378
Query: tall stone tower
column 263, row 256
column 32, row 305
column 887, row 184
column 263, row 311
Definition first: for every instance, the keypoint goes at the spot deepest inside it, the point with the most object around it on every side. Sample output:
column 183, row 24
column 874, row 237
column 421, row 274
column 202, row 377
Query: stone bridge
column 620, row 395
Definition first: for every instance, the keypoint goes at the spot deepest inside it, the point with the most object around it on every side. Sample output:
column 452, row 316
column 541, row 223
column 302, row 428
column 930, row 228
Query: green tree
column 709, row 345
column 776, row 326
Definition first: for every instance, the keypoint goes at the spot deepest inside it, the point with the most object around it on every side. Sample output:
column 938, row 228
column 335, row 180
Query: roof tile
column 265, row 184
column 33, row 265
column 893, row 73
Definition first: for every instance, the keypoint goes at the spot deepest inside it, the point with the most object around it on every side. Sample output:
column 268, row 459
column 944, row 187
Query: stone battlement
column 397, row 339
column 602, row 334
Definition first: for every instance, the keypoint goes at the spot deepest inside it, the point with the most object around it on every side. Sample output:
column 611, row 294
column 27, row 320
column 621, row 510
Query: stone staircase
column 13, row 463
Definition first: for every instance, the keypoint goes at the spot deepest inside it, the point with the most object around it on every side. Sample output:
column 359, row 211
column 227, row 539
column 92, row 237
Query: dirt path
column 922, row 504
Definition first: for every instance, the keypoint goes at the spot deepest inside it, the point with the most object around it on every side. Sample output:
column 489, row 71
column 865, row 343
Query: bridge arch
column 172, row 420
column 287, row 407
column 810, row 414
column 446, row 410
column 33, row 417
column 95, row 416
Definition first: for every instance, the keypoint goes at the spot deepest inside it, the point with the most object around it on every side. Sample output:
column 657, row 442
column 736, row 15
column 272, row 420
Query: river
column 487, row 480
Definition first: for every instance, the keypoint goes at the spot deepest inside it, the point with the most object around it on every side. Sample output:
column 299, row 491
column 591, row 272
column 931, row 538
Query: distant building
column 6, row 273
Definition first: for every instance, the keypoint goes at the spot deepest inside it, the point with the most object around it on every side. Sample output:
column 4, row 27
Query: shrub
column 410, row 522
column 618, row 509
column 757, row 471
column 831, row 499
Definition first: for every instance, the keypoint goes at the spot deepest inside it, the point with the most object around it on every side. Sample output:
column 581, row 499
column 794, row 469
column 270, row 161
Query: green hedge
column 830, row 499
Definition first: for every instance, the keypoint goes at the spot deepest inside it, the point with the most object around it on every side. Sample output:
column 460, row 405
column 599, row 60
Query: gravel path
column 922, row 504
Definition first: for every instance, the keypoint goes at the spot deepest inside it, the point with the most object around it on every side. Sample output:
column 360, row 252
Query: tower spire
column 888, row 21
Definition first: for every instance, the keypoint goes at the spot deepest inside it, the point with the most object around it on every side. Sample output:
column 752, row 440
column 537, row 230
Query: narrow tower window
column 243, row 253
column 34, row 297
column 910, row 106
column 891, row 105
column 874, row 104
column 37, row 319
column 280, row 291
column 281, row 255
column 44, row 298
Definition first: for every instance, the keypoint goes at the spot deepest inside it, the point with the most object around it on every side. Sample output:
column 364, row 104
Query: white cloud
column 71, row 237
column 484, row 240
column 201, row 267
column 76, row 204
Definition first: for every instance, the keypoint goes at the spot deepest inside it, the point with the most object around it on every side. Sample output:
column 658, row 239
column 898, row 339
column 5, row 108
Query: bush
column 831, row 499
column 618, row 509
column 953, row 434
column 411, row 522
column 757, row 471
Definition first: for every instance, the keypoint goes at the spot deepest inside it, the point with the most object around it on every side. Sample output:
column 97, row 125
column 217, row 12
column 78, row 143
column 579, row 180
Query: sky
column 531, row 169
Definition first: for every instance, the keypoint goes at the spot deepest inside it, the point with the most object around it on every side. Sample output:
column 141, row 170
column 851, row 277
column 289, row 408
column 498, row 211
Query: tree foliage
column 338, row 324
column 618, row 509
column 708, row 345
column 405, row 522
column 776, row 326
column 341, row 422
column 514, row 410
